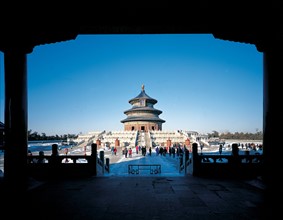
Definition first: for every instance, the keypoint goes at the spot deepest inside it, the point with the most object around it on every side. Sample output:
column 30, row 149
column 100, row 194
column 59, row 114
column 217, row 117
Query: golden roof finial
column 142, row 87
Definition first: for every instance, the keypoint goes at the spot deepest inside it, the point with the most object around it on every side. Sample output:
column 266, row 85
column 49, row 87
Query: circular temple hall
column 142, row 116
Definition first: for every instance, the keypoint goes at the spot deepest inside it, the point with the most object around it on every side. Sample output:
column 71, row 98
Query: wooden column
column 273, row 124
column 16, row 139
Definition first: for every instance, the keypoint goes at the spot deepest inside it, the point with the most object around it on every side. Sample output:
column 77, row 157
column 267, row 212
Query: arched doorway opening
column 161, row 84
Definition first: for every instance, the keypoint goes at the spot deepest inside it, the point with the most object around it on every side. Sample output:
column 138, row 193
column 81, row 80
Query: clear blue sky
column 201, row 83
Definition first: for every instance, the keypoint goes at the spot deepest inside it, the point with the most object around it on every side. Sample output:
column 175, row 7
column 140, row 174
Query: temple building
column 142, row 116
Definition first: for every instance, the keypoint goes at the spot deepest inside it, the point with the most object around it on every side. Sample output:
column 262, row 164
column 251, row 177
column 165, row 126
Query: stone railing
column 233, row 165
column 54, row 165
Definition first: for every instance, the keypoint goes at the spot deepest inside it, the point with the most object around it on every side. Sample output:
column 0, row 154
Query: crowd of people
column 174, row 151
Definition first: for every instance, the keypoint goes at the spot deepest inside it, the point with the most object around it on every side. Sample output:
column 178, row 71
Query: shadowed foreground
column 136, row 197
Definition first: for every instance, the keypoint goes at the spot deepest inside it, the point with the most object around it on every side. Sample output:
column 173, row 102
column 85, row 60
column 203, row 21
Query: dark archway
column 237, row 21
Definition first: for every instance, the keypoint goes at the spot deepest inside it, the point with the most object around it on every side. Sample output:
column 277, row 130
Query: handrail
column 135, row 168
column 74, row 158
column 256, row 158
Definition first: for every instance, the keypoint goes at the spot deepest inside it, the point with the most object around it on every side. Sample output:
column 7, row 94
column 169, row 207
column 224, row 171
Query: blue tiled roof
column 146, row 108
column 138, row 118
column 143, row 95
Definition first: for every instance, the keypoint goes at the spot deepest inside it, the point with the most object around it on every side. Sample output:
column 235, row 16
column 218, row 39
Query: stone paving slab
column 142, row 198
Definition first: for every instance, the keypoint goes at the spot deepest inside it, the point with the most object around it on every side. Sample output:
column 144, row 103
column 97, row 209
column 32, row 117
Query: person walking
column 201, row 147
column 173, row 151
column 220, row 151
column 66, row 153
column 115, row 150
column 157, row 150
column 112, row 150
column 143, row 150
column 130, row 152
column 84, row 150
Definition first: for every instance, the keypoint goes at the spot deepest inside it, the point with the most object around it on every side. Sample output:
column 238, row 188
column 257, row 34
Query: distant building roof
column 143, row 95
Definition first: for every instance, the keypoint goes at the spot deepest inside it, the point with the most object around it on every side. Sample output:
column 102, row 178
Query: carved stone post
column 94, row 157
column 195, row 160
